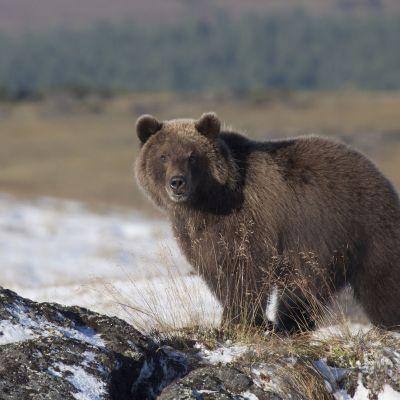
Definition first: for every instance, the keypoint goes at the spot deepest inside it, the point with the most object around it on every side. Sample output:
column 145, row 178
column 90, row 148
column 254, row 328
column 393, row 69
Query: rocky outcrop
column 48, row 351
column 217, row 383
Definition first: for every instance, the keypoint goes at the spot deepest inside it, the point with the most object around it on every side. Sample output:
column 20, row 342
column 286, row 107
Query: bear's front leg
column 294, row 313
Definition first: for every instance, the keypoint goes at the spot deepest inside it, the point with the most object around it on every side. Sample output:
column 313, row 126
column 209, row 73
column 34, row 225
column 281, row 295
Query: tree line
column 293, row 51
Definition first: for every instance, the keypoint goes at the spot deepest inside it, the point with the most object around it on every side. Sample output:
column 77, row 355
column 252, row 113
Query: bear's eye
column 192, row 158
column 163, row 158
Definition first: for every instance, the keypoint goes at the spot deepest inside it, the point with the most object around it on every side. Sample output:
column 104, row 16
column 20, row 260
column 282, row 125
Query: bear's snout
column 179, row 188
column 177, row 183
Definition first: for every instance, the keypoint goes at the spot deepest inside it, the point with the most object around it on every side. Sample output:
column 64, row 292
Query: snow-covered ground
column 115, row 263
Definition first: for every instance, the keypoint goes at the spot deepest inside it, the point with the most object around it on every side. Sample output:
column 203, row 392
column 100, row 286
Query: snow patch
column 265, row 377
column 48, row 242
column 89, row 358
column 12, row 333
column 88, row 386
column 115, row 263
column 352, row 329
column 249, row 396
column 43, row 327
column 341, row 395
column 221, row 355
column 272, row 305
column 205, row 391
column 362, row 393
column 83, row 334
column 389, row 393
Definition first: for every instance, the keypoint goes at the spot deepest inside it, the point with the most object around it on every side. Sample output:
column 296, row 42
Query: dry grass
column 85, row 149
column 167, row 304
column 178, row 300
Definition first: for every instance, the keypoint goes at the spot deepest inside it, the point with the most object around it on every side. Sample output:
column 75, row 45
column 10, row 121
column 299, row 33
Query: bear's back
column 313, row 187
column 308, row 163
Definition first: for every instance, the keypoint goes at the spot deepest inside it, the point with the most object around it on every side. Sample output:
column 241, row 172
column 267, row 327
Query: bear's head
column 183, row 161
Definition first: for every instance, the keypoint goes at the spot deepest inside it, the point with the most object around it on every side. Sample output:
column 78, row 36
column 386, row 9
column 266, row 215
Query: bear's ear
column 209, row 125
column 147, row 125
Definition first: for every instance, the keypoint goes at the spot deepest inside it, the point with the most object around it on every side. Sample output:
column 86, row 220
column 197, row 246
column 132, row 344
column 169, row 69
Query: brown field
column 84, row 149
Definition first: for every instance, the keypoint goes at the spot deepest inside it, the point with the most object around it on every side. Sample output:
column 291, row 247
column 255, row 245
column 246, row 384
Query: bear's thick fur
column 274, row 226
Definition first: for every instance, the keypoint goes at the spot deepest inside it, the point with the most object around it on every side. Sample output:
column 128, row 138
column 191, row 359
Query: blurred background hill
column 198, row 46
column 32, row 15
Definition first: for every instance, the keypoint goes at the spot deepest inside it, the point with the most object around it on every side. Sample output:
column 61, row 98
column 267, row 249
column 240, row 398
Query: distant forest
column 293, row 51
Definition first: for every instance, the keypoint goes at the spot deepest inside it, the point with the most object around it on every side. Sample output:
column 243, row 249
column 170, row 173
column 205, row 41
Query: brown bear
column 274, row 226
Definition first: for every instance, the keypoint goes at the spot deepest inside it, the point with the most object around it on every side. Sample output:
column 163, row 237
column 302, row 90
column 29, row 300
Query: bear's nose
column 177, row 182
